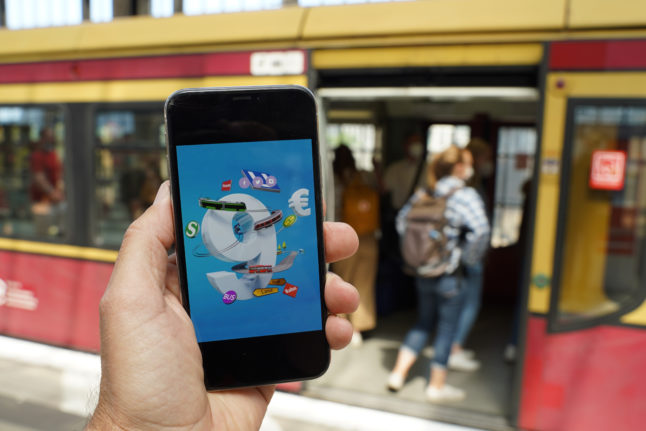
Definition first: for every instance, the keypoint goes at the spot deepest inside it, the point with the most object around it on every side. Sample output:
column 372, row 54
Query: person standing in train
column 46, row 188
column 467, row 239
column 400, row 175
column 357, row 204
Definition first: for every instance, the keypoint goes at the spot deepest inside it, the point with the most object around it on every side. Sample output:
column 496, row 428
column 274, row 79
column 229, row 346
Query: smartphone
column 246, row 190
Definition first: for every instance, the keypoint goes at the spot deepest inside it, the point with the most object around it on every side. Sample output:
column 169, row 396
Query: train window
column 442, row 136
column 311, row 3
column 21, row 14
column 600, row 270
column 198, row 7
column 101, row 10
column 361, row 138
column 130, row 164
column 514, row 167
column 32, row 192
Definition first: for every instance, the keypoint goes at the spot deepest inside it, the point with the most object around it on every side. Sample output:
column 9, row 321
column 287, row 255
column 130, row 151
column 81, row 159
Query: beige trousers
column 361, row 271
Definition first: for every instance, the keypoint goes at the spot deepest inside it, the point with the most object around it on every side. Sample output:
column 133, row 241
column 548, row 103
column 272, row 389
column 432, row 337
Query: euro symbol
column 299, row 202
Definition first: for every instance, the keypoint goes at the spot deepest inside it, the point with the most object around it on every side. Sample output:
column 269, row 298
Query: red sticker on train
column 608, row 170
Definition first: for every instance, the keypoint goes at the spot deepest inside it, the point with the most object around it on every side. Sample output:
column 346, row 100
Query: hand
column 56, row 195
column 151, row 366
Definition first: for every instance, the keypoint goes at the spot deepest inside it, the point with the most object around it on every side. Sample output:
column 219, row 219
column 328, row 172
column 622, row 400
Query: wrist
column 101, row 420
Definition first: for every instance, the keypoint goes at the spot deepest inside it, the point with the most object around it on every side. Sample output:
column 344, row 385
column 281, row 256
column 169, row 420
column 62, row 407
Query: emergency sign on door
column 608, row 170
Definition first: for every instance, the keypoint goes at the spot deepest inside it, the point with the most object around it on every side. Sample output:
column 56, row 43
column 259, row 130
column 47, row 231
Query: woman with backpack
column 437, row 247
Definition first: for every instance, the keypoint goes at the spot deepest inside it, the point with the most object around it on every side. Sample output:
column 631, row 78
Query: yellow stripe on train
column 128, row 90
column 59, row 250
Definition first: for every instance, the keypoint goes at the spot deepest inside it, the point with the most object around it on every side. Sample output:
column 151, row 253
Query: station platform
column 50, row 388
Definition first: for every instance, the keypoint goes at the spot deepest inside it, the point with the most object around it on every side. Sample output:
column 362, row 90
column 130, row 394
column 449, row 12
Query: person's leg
column 416, row 337
column 472, row 279
column 510, row 350
column 461, row 359
column 364, row 274
column 449, row 296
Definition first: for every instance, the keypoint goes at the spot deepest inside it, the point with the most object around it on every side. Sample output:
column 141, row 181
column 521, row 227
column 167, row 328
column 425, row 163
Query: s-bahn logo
column 13, row 295
column 192, row 228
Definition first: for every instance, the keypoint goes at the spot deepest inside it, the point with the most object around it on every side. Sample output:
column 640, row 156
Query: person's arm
column 474, row 220
column 151, row 365
column 43, row 185
column 52, row 191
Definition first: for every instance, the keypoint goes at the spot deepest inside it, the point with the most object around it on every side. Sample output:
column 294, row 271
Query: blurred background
column 549, row 97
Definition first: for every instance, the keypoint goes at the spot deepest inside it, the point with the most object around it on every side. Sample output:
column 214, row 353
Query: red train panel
column 52, row 299
column 567, row 376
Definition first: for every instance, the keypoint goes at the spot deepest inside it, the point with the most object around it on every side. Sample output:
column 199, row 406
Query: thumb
column 143, row 257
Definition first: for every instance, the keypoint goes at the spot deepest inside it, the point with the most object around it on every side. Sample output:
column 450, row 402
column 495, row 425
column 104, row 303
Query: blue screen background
column 202, row 170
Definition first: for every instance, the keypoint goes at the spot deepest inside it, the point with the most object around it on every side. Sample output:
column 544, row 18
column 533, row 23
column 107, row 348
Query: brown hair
column 479, row 148
column 443, row 163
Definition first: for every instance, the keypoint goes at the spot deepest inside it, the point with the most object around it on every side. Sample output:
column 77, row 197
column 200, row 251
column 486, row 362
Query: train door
column 374, row 99
column 586, row 323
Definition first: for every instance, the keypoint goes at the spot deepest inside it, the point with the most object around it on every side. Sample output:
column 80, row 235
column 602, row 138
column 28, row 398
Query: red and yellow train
column 100, row 89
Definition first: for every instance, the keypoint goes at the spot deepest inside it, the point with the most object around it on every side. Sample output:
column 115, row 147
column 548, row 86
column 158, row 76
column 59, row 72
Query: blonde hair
column 442, row 164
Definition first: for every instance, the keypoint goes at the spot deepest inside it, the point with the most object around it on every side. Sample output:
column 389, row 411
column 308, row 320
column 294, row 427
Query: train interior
column 376, row 123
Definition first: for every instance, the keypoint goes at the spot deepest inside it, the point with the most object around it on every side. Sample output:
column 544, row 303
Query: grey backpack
column 424, row 243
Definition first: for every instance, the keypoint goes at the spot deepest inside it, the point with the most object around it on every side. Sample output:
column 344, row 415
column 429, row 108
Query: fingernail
column 163, row 191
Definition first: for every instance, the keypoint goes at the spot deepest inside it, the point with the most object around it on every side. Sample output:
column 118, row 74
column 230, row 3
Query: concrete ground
column 48, row 388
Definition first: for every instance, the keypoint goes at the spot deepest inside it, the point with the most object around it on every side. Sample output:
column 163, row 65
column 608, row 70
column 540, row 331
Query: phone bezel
column 200, row 116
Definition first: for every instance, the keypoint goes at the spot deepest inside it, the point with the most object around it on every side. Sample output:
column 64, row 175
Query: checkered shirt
column 465, row 211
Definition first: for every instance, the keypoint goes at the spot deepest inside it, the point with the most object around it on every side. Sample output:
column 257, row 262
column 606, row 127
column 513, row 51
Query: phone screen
column 250, row 243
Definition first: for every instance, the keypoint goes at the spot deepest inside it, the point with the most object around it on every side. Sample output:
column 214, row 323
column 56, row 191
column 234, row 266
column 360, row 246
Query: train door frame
column 572, row 72
column 331, row 75
column 523, row 313
column 554, row 326
column 81, row 163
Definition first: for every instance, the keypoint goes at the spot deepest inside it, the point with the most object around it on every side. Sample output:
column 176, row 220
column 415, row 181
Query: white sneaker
column 444, row 394
column 395, row 382
column 468, row 353
column 461, row 362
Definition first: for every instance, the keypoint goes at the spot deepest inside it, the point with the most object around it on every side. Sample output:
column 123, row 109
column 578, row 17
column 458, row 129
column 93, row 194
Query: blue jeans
column 445, row 295
column 472, row 278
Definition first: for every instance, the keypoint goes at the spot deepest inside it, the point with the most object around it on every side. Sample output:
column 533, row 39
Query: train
column 557, row 87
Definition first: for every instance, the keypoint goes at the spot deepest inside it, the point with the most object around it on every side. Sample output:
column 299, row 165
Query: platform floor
column 46, row 388
column 357, row 375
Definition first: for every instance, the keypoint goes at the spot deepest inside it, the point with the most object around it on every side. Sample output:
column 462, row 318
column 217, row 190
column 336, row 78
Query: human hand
column 151, row 365
column 56, row 195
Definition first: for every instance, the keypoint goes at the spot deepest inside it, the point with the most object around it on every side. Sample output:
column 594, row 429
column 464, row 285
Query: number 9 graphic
column 240, row 245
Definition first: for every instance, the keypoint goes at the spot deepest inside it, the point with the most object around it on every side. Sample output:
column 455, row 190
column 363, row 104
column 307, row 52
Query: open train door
column 585, row 326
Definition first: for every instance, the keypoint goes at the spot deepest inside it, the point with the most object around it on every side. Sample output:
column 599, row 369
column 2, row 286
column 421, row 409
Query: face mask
column 415, row 151
column 468, row 173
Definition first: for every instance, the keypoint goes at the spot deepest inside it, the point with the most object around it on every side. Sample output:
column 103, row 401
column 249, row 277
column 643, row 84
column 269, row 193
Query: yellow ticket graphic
column 265, row 291
column 277, row 282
